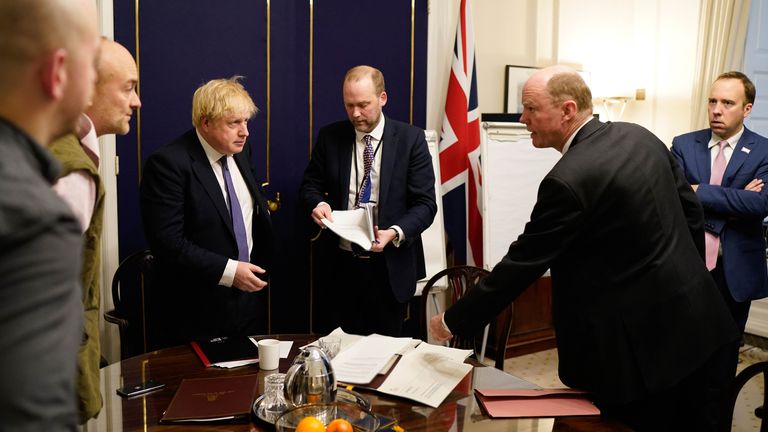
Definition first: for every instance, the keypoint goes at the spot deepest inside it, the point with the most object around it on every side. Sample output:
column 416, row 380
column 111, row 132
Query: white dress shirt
column 243, row 196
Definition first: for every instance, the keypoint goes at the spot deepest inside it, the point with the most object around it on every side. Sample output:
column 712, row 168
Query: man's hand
column 245, row 277
column 323, row 211
column 382, row 238
column 436, row 329
column 755, row 185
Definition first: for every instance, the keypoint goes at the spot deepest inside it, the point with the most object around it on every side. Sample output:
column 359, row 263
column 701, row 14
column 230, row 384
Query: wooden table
column 458, row 412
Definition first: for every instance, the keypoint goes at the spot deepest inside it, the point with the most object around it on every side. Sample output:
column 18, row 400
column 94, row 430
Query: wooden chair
column 131, row 284
column 461, row 279
column 738, row 383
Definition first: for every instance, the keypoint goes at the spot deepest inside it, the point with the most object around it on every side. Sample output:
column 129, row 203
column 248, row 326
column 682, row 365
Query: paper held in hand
column 354, row 225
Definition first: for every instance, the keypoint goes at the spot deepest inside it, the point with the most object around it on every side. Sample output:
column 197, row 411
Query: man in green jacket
column 80, row 186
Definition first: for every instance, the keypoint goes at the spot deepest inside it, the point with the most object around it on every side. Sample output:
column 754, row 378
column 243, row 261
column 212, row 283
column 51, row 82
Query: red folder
column 512, row 403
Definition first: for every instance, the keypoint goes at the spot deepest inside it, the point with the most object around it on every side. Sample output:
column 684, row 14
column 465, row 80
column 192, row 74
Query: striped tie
column 365, row 190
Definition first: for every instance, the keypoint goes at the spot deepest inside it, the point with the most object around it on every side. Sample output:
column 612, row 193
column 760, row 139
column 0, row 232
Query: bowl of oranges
column 332, row 417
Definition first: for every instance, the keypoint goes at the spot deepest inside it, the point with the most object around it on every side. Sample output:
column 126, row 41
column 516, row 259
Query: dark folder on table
column 221, row 399
column 513, row 403
column 221, row 350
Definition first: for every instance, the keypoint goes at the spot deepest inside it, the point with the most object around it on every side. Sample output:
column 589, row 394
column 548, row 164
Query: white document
column 353, row 225
column 360, row 363
column 455, row 354
column 425, row 375
column 285, row 348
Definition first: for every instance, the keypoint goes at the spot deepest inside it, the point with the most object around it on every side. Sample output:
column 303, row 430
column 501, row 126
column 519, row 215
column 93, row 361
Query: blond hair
column 359, row 72
column 220, row 97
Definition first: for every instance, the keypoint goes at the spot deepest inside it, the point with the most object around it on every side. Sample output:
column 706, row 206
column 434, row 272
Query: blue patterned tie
column 237, row 215
column 365, row 190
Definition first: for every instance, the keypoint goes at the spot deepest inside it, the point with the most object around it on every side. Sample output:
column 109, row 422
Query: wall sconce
column 614, row 106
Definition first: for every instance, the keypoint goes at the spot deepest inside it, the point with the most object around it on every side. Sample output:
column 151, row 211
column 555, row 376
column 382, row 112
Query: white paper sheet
column 425, row 375
column 285, row 348
column 360, row 363
column 353, row 225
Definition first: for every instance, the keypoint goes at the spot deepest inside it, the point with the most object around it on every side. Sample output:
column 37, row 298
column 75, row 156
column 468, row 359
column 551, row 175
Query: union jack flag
column 460, row 150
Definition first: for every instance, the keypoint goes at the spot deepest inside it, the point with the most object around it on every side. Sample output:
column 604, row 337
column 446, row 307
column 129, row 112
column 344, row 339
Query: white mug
column 269, row 354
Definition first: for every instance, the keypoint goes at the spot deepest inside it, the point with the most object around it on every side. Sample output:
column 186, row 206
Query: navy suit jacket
column 634, row 308
column 189, row 229
column 406, row 191
column 731, row 212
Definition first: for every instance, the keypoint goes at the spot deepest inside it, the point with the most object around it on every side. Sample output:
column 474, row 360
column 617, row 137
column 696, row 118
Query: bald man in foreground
column 81, row 187
column 47, row 54
column 639, row 321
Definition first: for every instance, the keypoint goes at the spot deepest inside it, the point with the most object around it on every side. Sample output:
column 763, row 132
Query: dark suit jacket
column 731, row 212
column 189, row 230
column 406, row 192
column 634, row 307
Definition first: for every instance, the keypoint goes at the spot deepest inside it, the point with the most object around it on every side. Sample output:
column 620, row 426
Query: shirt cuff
column 400, row 235
column 229, row 273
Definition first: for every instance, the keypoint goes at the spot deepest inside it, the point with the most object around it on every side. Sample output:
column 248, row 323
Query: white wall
column 627, row 44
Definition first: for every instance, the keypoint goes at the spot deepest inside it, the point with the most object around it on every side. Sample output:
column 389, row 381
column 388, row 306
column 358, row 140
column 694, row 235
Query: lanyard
column 358, row 186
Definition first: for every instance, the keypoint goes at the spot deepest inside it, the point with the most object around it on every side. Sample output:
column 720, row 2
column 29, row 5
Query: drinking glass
column 274, row 401
column 330, row 345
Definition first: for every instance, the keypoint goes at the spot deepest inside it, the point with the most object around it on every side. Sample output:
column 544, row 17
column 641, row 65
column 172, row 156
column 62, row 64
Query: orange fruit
column 310, row 424
column 339, row 425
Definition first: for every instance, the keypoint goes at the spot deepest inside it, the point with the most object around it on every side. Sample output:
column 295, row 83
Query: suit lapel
column 245, row 171
column 702, row 155
column 204, row 174
column 739, row 155
column 346, row 147
column 389, row 149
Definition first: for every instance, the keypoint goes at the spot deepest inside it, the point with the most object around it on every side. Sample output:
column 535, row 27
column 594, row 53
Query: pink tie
column 711, row 241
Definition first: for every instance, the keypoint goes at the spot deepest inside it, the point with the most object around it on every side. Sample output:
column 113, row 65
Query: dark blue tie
column 237, row 215
column 365, row 191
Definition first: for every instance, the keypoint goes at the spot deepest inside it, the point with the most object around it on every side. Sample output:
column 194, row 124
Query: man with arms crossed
column 207, row 223
column 48, row 50
column 726, row 165
column 639, row 322
column 80, row 186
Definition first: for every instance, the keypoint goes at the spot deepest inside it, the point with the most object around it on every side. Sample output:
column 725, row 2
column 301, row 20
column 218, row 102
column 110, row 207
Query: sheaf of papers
column 360, row 363
column 426, row 375
column 353, row 225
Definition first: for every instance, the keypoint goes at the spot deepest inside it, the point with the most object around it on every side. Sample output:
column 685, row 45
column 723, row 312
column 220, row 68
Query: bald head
column 47, row 54
column 115, row 97
column 556, row 102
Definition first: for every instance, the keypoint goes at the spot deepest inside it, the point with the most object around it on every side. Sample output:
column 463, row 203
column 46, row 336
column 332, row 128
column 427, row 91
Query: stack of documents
column 426, row 373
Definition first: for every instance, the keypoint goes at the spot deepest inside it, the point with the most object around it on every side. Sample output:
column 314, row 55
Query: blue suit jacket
column 406, row 193
column 731, row 212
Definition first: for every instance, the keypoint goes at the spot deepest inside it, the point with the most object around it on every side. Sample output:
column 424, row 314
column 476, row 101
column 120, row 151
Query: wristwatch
column 397, row 235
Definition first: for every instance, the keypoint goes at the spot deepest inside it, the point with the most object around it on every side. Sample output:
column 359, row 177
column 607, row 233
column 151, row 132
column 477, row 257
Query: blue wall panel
column 183, row 43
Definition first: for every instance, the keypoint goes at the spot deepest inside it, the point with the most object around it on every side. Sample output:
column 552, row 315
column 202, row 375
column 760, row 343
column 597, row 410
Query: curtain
column 722, row 36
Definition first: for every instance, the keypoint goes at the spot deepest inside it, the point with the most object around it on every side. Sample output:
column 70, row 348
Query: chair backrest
column 729, row 403
column 460, row 280
column 131, row 284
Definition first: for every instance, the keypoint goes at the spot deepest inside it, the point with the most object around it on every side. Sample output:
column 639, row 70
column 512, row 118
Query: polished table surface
column 459, row 412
